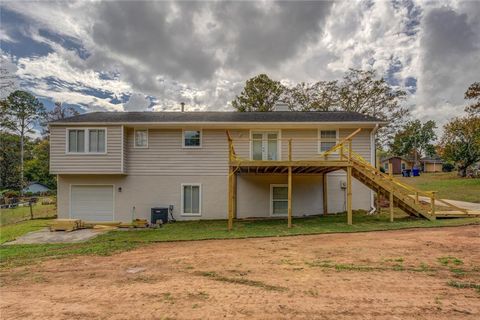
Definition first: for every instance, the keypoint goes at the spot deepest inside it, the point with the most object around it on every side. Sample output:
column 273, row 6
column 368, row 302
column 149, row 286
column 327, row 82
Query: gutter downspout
column 373, row 155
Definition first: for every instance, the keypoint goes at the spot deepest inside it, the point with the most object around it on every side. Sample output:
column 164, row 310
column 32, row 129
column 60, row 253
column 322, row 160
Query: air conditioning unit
column 343, row 184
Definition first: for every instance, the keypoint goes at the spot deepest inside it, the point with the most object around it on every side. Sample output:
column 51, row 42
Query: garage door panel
column 92, row 202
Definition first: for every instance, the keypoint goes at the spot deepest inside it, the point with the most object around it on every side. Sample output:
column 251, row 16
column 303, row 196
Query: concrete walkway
column 46, row 236
column 461, row 204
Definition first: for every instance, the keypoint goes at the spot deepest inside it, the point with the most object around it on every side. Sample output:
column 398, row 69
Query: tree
column 260, row 94
column 318, row 96
column 37, row 168
column 9, row 161
column 461, row 142
column 21, row 111
column 59, row 112
column 415, row 138
column 473, row 93
column 361, row 91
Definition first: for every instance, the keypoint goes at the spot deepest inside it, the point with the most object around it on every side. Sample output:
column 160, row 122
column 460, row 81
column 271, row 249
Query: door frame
column 93, row 185
column 273, row 185
column 279, row 141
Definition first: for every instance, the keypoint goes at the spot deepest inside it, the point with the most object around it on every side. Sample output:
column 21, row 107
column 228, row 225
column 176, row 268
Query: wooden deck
column 403, row 196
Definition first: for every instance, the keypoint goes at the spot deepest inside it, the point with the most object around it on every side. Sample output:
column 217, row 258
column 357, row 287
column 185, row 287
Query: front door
column 265, row 145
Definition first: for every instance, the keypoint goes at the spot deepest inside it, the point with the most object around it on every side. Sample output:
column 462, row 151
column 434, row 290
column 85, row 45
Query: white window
column 328, row 139
column 403, row 166
column 279, row 197
column 385, row 166
column 141, row 138
column 96, row 140
column 86, row 140
column 191, row 199
column 192, row 138
column 76, row 141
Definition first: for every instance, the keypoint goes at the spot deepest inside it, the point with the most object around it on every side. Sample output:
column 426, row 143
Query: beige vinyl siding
column 61, row 162
column 166, row 155
column 305, row 143
column 360, row 142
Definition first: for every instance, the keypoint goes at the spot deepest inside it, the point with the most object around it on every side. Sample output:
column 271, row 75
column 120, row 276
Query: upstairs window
column 192, row 139
column 328, row 139
column 76, row 141
column 141, row 138
column 96, row 140
column 86, row 140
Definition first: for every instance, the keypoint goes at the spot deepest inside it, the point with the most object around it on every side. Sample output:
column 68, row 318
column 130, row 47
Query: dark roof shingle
column 219, row 116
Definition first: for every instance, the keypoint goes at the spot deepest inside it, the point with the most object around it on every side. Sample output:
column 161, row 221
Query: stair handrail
column 430, row 194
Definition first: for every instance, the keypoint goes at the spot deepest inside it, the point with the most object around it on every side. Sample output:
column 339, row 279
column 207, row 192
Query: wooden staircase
column 405, row 197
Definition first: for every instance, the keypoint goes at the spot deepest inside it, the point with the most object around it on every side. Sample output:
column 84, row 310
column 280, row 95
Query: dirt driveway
column 409, row 274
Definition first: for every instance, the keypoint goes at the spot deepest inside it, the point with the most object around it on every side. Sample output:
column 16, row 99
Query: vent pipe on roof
column 281, row 106
column 182, row 106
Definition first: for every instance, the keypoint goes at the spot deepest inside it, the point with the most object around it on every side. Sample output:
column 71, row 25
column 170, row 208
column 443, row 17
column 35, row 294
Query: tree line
column 364, row 92
column 25, row 159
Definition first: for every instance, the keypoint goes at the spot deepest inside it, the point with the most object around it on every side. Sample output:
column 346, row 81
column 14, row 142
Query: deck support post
column 325, row 194
column 230, row 198
column 390, row 200
column 234, row 190
column 349, row 195
column 379, row 210
column 289, row 197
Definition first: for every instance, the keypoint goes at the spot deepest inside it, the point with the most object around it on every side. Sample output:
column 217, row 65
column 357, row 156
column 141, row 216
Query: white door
column 265, row 145
column 92, row 202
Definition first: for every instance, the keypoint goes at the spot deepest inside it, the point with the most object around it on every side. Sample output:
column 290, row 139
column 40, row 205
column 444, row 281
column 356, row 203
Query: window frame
column 192, row 147
column 284, row 185
column 319, row 135
column 86, row 141
column 182, row 195
column 135, row 138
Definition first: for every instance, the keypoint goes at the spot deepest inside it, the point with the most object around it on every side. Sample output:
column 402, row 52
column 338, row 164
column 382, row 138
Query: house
column 35, row 188
column 115, row 166
column 432, row 164
column 398, row 163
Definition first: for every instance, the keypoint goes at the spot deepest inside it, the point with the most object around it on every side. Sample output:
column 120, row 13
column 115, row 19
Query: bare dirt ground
column 382, row 275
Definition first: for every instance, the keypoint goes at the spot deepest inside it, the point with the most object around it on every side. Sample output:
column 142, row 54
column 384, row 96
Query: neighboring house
column 112, row 166
column 35, row 187
column 432, row 164
column 398, row 163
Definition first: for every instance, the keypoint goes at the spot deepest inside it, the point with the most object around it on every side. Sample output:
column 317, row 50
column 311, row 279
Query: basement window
column 191, row 199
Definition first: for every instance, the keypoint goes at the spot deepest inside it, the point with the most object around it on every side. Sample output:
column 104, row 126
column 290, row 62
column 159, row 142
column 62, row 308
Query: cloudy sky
column 131, row 55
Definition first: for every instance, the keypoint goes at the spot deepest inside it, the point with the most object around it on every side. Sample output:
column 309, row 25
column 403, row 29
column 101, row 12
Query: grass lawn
column 8, row 216
column 448, row 185
column 116, row 241
column 12, row 231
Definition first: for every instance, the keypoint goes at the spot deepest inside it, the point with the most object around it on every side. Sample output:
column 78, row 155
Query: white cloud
column 202, row 52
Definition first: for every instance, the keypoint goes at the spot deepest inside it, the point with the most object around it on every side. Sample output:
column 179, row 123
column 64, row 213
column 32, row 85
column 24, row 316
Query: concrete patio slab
column 460, row 204
column 46, row 236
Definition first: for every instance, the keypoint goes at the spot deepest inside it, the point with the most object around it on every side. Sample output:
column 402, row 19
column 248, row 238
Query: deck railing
column 344, row 150
column 336, row 149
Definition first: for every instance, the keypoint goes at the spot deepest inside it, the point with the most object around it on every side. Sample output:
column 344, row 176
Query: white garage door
column 92, row 203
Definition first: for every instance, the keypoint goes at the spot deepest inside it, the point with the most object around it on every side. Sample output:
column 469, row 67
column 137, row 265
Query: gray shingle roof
column 219, row 116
